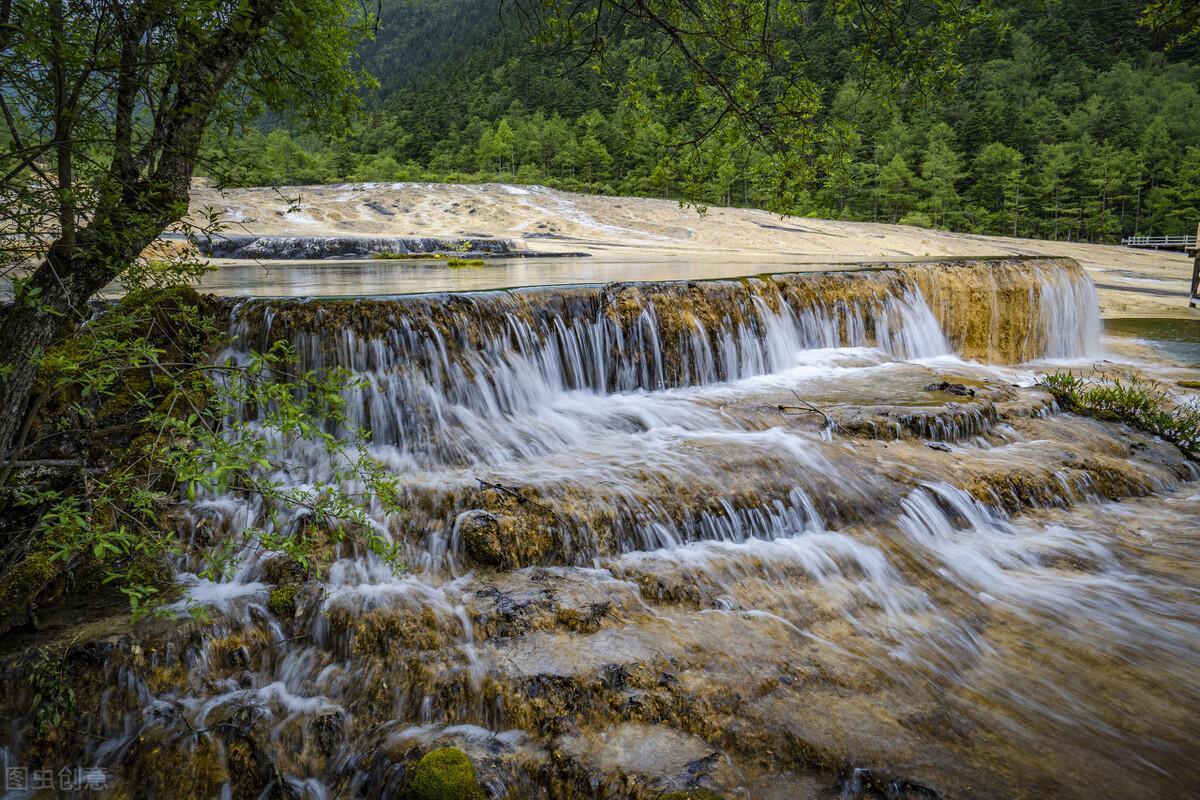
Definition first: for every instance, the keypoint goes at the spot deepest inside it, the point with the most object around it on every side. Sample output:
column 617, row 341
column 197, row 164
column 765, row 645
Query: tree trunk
column 56, row 296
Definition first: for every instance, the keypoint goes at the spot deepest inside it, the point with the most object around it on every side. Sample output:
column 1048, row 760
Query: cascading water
column 722, row 555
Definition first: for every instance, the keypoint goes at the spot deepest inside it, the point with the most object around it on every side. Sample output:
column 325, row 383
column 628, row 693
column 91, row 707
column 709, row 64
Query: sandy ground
column 1131, row 283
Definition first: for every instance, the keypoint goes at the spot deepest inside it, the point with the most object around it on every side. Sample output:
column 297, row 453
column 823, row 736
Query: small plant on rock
column 53, row 700
column 1140, row 404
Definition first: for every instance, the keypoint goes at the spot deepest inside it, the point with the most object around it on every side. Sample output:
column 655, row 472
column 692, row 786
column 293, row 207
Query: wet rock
column 309, row 247
column 308, row 596
column 615, row 676
column 951, row 388
column 586, row 619
column 939, row 446
column 866, row 784
column 511, row 613
column 445, row 774
column 281, row 569
column 379, row 208
column 328, row 733
column 481, row 537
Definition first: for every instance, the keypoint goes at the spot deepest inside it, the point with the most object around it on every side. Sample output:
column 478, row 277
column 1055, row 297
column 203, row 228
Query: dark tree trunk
column 63, row 284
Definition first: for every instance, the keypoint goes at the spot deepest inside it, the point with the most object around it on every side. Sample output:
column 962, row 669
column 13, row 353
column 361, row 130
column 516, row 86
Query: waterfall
column 446, row 376
column 796, row 530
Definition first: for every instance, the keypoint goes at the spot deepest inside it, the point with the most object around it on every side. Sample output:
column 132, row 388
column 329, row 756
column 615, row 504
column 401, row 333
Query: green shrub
column 53, row 701
column 918, row 218
column 1140, row 404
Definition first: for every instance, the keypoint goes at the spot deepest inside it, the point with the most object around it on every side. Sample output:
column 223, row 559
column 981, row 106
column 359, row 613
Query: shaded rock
column 22, row 586
column 866, row 784
column 308, row 596
column 951, row 388
column 481, row 537
column 281, row 569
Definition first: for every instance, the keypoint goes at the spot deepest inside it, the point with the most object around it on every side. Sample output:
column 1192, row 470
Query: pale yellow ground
column 1131, row 283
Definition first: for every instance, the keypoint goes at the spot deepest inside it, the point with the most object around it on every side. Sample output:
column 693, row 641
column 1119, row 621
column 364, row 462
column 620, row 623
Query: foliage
column 241, row 443
column 1179, row 18
column 95, row 97
column 1073, row 126
column 206, row 429
column 1145, row 406
column 104, row 107
column 53, row 699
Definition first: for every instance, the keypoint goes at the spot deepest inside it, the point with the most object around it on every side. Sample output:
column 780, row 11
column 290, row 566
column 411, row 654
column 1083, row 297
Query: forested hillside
column 1075, row 122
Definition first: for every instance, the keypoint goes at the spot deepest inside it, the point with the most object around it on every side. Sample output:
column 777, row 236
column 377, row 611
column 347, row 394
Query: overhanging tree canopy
column 105, row 103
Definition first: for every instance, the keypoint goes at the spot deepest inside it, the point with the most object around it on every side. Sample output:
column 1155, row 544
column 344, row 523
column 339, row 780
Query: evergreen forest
column 1070, row 120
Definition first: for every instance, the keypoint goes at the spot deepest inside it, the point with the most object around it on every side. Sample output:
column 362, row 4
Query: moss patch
column 445, row 774
column 21, row 585
column 283, row 600
column 691, row 794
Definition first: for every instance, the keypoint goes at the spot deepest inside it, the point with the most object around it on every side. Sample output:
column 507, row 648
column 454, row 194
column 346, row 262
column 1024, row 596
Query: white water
column 721, row 534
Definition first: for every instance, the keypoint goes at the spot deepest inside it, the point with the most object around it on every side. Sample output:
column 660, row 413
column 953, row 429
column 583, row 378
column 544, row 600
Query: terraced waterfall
column 803, row 535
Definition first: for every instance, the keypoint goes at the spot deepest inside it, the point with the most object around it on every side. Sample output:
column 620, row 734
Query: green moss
column 464, row 263
column 1189, row 384
column 22, row 584
column 690, row 794
column 445, row 774
column 162, row 296
column 283, row 600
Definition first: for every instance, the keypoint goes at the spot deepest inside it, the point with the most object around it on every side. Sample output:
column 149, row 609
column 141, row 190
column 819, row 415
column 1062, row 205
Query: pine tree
column 896, row 184
column 941, row 169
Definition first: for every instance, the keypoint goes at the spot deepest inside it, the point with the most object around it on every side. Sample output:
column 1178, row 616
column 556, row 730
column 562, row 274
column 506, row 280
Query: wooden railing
column 1172, row 242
